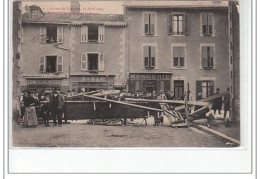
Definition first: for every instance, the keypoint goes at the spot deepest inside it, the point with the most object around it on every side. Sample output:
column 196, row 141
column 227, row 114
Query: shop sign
column 150, row 76
column 44, row 82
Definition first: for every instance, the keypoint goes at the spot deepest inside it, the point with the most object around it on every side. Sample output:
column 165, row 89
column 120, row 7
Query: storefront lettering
column 150, row 76
column 43, row 82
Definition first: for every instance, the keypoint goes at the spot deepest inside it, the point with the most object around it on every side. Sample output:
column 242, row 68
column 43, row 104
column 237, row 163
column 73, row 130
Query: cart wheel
column 227, row 122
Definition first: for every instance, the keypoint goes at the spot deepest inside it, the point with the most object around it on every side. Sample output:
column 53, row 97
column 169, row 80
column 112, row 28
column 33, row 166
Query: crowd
column 50, row 106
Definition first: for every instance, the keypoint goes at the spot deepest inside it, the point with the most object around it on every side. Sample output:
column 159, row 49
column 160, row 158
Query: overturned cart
column 96, row 107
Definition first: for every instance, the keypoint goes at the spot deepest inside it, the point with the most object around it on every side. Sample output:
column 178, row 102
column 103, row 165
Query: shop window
column 206, row 88
column 207, row 56
column 178, row 57
column 52, row 34
column 149, row 56
column 149, row 23
column 178, row 89
column 178, row 24
column 207, row 20
column 92, row 33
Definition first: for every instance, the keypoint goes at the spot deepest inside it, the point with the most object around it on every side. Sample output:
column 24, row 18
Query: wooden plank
column 123, row 103
column 194, row 103
column 223, row 136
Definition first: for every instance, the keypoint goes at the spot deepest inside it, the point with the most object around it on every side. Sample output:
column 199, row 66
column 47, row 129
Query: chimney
column 75, row 7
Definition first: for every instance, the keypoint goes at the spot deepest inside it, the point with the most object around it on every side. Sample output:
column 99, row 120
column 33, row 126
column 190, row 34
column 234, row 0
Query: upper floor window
column 35, row 13
column 178, row 57
column 207, row 21
column 178, row 24
column 149, row 56
column 92, row 62
column 92, row 33
column 51, row 34
column 51, row 64
column 207, row 57
column 149, row 23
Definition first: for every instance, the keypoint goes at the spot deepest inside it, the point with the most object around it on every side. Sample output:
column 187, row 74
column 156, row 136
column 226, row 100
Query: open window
column 93, row 33
column 51, row 34
column 178, row 24
column 92, row 62
column 51, row 64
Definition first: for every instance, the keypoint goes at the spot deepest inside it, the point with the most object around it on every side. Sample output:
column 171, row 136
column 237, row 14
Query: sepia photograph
column 127, row 74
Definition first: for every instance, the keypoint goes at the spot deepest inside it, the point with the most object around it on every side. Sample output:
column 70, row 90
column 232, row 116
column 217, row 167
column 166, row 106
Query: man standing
column 227, row 103
column 217, row 103
column 56, row 104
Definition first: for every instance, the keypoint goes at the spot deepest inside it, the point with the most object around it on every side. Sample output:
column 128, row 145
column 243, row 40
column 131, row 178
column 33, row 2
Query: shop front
column 92, row 82
column 44, row 85
column 149, row 82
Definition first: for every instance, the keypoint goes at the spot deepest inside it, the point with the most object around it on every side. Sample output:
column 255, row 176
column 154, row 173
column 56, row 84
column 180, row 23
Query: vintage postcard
column 126, row 74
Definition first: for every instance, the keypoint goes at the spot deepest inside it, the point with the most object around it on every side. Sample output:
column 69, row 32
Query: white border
column 237, row 159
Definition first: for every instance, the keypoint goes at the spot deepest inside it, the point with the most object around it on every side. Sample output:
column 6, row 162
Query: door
column 178, row 88
column 150, row 86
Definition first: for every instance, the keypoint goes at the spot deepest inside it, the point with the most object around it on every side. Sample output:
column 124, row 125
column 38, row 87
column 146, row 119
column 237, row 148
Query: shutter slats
column 170, row 24
column 146, row 23
column 186, row 24
column 84, row 61
column 60, row 34
column 42, row 64
column 101, row 63
column 60, row 64
column 204, row 57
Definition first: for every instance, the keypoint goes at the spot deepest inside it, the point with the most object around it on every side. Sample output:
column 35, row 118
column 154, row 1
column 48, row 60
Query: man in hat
column 56, row 104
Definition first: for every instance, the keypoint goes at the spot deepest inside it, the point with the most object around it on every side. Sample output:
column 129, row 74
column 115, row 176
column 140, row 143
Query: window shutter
column 204, row 57
column 210, row 23
column 146, row 56
column 100, row 34
column 153, row 56
column 83, row 34
column 84, row 62
column 170, row 24
column 146, row 23
column 152, row 24
column 60, row 64
column 42, row 64
column 60, row 34
column 198, row 89
column 101, row 63
column 204, row 23
column 211, row 57
column 43, row 34
column 211, row 88
column 186, row 24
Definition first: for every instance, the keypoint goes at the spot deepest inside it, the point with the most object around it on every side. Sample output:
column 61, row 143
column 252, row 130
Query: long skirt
column 30, row 118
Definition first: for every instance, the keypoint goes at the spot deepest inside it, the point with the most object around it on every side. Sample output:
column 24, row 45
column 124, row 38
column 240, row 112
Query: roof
column 76, row 19
column 177, row 4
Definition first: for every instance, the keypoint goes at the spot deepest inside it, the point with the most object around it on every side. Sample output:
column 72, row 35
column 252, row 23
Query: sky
column 102, row 7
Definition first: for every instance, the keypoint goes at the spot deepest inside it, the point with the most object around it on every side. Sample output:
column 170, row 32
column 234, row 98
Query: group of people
column 217, row 103
column 50, row 108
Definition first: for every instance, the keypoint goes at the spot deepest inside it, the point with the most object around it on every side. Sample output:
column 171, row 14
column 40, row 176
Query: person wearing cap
column 30, row 118
column 56, row 104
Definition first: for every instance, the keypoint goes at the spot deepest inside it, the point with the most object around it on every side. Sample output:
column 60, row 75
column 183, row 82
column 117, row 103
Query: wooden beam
column 123, row 103
column 193, row 103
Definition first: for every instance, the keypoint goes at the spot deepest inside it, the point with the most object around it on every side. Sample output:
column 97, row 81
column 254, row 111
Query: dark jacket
column 60, row 102
column 28, row 101
column 227, row 102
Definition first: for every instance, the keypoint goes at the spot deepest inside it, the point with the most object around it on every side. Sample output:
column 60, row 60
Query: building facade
column 77, row 52
column 178, row 47
column 153, row 46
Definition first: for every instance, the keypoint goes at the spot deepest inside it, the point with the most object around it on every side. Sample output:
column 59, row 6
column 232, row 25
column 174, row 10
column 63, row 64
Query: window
column 205, row 87
column 51, row 34
column 207, row 57
column 92, row 33
column 92, row 62
column 207, row 24
column 178, row 24
column 178, row 56
column 178, row 88
column 149, row 23
column 35, row 13
column 51, row 64
column 149, row 56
